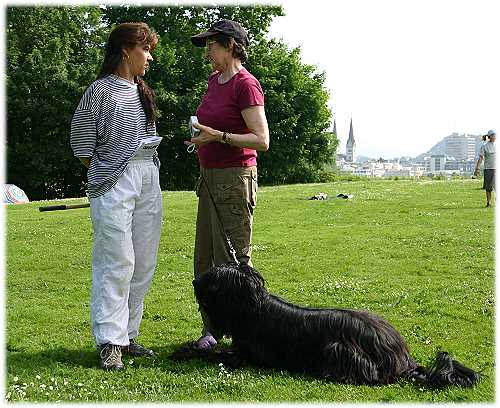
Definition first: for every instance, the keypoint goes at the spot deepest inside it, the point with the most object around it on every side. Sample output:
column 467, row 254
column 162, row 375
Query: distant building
column 455, row 154
column 459, row 146
column 386, row 168
column 446, row 165
column 437, row 163
column 340, row 158
column 350, row 150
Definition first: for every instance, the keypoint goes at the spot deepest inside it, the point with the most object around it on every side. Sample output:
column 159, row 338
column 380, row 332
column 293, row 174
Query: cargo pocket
column 232, row 203
column 233, row 193
column 235, row 201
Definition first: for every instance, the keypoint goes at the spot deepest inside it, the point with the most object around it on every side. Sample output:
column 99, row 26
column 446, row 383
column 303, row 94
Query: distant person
column 487, row 153
column 113, row 133
column 233, row 126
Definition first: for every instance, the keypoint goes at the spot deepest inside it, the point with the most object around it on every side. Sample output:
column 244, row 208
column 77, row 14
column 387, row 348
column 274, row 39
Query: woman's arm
column 255, row 119
column 258, row 139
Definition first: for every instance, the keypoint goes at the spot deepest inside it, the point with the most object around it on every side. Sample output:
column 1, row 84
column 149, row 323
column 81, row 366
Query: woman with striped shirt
column 113, row 134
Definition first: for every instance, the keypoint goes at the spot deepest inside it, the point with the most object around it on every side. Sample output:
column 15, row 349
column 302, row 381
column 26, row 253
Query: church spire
column 350, row 147
column 351, row 136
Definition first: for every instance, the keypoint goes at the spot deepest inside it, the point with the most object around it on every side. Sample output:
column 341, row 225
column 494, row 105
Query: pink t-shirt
column 220, row 109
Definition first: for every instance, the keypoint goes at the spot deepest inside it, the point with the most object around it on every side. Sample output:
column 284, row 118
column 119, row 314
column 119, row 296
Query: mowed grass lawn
column 420, row 253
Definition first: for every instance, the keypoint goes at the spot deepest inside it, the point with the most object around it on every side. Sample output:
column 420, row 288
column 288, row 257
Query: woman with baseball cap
column 487, row 152
column 233, row 127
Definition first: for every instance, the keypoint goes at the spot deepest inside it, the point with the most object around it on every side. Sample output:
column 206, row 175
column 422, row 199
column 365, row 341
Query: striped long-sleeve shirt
column 107, row 126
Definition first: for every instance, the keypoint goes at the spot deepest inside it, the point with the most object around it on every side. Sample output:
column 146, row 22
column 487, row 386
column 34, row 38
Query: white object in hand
column 193, row 130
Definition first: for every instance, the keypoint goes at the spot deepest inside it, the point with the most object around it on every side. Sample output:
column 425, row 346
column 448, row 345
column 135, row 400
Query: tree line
column 54, row 53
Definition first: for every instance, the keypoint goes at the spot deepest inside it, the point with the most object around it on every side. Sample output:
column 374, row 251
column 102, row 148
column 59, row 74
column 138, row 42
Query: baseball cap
column 228, row 27
column 490, row 133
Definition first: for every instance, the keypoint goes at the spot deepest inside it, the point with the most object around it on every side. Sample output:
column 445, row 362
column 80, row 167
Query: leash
column 229, row 245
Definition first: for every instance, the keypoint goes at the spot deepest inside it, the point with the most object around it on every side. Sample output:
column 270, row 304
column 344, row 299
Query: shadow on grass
column 80, row 361
column 19, row 360
column 26, row 361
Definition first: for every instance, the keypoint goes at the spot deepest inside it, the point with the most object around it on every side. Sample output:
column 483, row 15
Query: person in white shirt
column 487, row 153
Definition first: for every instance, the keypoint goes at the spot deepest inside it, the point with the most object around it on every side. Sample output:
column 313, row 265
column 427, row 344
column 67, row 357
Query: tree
column 179, row 73
column 297, row 113
column 296, row 100
column 52, row 55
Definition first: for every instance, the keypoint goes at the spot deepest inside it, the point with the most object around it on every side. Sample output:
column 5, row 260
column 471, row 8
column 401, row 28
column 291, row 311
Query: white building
column 447, row 165
column 376, row 168
column 459, row 146
column 437, row 163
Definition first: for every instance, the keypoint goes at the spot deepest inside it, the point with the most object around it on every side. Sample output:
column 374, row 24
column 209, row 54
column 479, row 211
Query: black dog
column 341, row 345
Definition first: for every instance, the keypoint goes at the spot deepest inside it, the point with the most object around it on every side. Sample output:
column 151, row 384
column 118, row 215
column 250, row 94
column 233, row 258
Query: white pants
column 127, row 226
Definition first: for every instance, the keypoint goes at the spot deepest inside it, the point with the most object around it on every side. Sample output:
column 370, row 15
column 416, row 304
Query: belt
column 147, row 148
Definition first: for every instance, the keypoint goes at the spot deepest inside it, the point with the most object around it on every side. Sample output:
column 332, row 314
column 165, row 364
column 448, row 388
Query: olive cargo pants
column 234, row 192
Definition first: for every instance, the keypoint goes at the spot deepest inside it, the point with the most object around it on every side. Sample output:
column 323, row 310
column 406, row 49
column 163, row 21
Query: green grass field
column 420, row 253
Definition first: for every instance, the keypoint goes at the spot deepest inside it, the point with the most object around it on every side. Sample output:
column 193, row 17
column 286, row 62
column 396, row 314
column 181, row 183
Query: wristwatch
column 225, row 138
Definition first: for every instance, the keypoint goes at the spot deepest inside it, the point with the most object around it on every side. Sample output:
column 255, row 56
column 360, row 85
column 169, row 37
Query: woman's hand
column 206, row 135
column 85, row 161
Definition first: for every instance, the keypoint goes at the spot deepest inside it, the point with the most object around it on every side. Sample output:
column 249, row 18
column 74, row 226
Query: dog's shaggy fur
column 342, row 345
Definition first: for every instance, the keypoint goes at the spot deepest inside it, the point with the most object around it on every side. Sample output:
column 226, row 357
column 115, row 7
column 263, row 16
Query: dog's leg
column 345, row 363
column 188, row 351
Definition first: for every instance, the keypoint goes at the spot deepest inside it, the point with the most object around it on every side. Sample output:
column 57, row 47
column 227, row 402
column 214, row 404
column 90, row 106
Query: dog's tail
column 445, row 371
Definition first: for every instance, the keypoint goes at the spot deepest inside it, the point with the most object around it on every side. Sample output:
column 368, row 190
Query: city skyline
column 344, row 149
column 454, row 155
